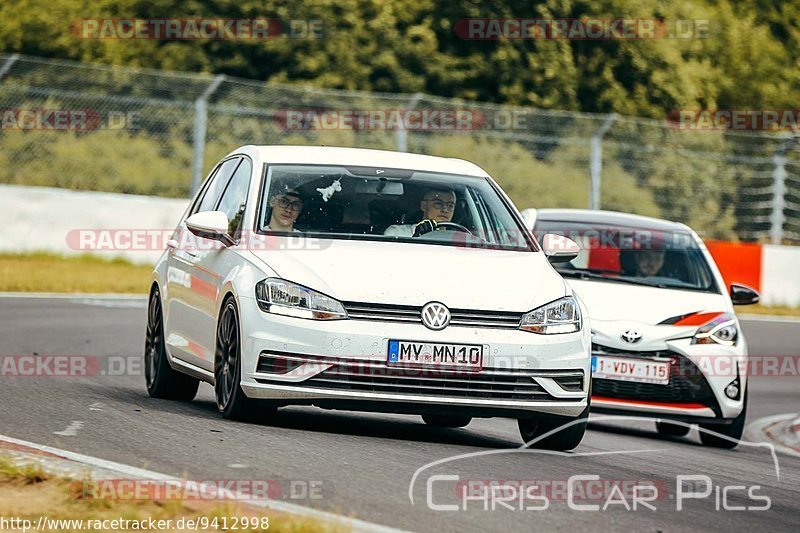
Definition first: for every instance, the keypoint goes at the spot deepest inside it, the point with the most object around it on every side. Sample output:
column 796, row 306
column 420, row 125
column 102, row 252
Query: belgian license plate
column 434, row 354
column 637, row 370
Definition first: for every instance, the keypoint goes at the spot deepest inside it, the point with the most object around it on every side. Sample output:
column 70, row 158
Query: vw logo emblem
column 631, row 336
column 435, row 316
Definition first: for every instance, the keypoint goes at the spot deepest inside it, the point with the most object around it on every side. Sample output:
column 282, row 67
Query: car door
column 186, row 291
column 213, row 263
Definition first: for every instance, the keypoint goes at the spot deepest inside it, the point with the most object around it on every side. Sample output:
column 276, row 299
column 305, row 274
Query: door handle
column 191, row 253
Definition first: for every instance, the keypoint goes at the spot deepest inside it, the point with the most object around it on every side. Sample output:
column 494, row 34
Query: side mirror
column 559, row 249
column 210, row 225
column 743, row 295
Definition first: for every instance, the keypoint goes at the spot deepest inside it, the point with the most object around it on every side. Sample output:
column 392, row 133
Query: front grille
column 376, row 377
column 571, row 384
column 413, row 314
column 686, row 382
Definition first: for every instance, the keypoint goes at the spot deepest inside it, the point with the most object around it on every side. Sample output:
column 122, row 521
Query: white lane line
column 759, row 430
column 71, row 430
column 112, row 304
column 96, row 406
column 138, row 473
column 72, row 296
column 770, row 318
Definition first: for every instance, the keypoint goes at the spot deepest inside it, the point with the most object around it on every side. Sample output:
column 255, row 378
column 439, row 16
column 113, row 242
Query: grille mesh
column 375, row 377
column 686, row 382
column 412, row 313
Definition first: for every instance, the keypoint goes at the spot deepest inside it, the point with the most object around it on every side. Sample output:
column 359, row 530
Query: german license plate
column 434, row 354
column 637, row 370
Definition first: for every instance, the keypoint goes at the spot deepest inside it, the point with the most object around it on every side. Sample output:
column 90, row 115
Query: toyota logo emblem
column 631, row 336
column 435, row 316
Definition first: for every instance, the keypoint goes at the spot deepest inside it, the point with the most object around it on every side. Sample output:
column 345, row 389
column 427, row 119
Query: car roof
column 330, row 155
column 611, row 218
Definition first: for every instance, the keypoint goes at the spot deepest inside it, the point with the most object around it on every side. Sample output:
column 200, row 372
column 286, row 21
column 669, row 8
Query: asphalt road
column 362, row 464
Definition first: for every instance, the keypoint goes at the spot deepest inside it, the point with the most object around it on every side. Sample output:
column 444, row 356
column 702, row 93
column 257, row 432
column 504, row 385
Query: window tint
column 360, row 203
column 217, row 185
column 623, row 254
column 234, row 199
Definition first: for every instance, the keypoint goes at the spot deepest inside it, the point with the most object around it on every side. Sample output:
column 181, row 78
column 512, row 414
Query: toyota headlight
column 283, row 297
column 722, row 330
column 560, row 316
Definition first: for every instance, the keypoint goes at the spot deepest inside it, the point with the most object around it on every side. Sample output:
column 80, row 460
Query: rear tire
column 232, row 402
column 669, row 429
column 566, row 439
column 162, row 380
column 733, row 431
column 447, row 421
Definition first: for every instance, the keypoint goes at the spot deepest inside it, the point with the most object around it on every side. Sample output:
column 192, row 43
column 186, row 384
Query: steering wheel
column 452, row 226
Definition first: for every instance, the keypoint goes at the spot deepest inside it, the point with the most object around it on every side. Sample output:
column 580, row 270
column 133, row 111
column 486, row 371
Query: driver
column 649, row 262
column 642, row 263
column 437, row 205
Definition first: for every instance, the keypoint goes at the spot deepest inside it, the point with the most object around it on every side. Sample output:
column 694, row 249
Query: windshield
column 667, row 259
column 388, row 205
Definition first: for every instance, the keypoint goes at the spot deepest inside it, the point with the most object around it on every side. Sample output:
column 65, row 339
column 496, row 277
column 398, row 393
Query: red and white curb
column 783, row 431
column 79, row 466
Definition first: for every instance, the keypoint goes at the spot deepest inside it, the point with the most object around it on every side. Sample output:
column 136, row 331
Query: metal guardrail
column 154, row 132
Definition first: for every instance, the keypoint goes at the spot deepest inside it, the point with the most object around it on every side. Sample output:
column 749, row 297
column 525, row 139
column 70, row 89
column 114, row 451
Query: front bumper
column 696, row 392
column 343, row 363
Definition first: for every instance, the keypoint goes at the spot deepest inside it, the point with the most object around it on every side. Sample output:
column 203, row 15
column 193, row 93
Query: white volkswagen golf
column 367, row 280
column 666, row 341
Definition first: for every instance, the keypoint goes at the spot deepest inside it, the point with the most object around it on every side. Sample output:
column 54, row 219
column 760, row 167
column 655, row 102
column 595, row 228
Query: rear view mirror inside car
column 382, row 187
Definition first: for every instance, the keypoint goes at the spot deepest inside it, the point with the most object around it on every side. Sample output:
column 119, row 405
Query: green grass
column 26, row 492
column 777, row 310
column 42, row 272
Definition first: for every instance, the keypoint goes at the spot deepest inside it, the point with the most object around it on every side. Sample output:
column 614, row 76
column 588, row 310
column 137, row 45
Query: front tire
column 162, row 380
column 232, row 402
column 564, row 440
column 447, row 421
column 733, row 431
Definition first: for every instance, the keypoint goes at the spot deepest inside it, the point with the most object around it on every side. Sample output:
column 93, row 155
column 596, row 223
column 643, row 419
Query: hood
column 615, row 308
column 415, row 274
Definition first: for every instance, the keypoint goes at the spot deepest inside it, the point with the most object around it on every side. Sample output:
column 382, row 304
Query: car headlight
column 283, row 297
column 722, row 330
column 560, row 316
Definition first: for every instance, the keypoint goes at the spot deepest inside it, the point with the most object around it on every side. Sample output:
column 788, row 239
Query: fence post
column 779, row 189
column 401, row 134
column 8, row 64
column 596, row 161
column 199, row 134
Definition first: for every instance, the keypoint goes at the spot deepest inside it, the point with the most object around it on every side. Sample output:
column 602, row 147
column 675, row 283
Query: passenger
column 286, row 205
column 437, row 205
column 642, row 263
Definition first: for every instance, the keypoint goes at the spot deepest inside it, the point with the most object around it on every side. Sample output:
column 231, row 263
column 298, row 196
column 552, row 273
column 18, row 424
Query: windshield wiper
column 585, row 274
